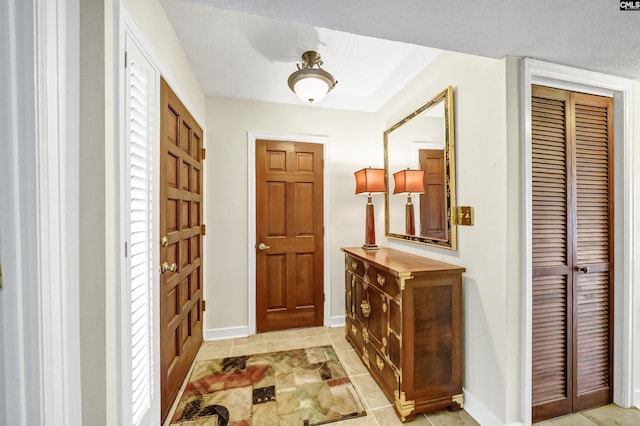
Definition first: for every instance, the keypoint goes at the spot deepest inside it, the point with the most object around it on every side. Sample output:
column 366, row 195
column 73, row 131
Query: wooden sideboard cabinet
column 404, row 319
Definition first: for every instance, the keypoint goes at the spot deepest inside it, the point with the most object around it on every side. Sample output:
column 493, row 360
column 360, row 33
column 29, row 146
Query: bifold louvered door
column 572, row 209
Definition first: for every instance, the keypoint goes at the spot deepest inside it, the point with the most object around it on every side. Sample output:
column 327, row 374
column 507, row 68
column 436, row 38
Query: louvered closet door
column 572, row 241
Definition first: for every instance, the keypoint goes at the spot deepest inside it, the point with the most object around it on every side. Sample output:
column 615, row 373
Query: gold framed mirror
column 423, row 140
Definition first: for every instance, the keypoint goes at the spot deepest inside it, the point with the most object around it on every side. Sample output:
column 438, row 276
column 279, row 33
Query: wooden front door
column 433, row 203
column 572, row 208
column 181, row 234
column 289, row 235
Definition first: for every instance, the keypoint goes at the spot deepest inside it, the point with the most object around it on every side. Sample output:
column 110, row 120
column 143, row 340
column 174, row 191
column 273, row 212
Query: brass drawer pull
column 354, row 265
column 381, row 279
column 366, row 309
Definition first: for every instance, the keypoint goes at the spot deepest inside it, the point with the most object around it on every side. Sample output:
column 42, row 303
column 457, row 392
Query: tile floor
column 608, row 415
column 379, row 409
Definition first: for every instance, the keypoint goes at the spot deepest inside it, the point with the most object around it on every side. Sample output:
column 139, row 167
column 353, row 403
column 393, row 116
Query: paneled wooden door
column 289, row 235
column 572, row 207
column 181, row 233
column 433, row 214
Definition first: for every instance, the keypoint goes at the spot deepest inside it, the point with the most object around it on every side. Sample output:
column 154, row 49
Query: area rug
column 297, row 387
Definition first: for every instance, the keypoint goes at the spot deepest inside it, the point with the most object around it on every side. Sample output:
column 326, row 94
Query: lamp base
column 370, row 228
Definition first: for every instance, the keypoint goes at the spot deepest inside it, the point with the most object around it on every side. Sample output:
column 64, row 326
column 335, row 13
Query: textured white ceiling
column 247, row 48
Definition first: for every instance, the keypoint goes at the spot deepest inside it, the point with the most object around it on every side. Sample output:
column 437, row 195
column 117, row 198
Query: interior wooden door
column 572, row 209
column 433, row 214
column 289, row 235
column 181, row 233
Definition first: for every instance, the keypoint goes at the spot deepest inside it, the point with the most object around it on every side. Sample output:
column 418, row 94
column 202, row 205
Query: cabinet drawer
column 379, row 367
column 355, row 336
column 384, row 281
column 355, row 266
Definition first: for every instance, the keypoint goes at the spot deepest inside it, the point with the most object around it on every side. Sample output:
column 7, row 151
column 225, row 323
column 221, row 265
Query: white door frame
column 128, row 30
column 621, row 90
column 40, row 326
column 251, row 203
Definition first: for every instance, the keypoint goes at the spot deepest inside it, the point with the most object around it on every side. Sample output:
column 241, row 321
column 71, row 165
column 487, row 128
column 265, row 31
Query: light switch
column 465, row 216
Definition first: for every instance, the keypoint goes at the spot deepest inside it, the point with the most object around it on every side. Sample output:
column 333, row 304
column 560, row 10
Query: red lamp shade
column 370, row 180
column 408, row 181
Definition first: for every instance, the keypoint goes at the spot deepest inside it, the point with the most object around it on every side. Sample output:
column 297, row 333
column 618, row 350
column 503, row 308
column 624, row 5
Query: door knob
column 263, row 246
column 164, row 241
column 583, row 269
column 165, row 267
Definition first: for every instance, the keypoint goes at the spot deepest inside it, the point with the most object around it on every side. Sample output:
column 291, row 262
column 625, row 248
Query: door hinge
column 203, row 229
column 125, row 59
column 203, row 153
column 204, row 305
column 324, row 297
column 126, row 249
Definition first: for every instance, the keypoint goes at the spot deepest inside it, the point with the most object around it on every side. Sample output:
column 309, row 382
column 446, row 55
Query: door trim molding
column 621, row 90
column 251, row 219
column 57, row 197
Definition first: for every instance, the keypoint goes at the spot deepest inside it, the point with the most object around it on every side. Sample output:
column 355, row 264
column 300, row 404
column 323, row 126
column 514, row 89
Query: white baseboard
column 243, row 331
column 481, row 413
column 636, row 398
column 337, row 321
column 226, row 333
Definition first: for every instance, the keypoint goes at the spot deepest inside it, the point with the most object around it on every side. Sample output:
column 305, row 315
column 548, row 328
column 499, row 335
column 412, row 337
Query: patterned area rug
column 297, row 387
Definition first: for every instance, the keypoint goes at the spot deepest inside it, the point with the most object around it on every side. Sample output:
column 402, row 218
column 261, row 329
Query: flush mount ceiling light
column 308, row 83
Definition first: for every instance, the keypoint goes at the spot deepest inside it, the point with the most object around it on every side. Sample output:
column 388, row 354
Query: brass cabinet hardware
column 165, row 267
column 164, row 242
column 354, row 330
column 381, row 279
column 366, row 309
column 384, row 342
column 354, row 265
column 459, row 399
column 403, row 406
column 379, row 362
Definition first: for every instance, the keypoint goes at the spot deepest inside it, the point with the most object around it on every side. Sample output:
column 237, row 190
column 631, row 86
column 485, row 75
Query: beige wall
column 150, row 18
column 482, row 170
column 356, row 142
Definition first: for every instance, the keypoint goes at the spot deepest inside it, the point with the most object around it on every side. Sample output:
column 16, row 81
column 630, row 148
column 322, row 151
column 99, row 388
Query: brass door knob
column 165, row 267
column 164, row 241
column 263, row 246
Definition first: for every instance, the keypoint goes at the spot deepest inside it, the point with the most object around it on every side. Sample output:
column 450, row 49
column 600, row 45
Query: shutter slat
column 593, row 235
column 140, row 272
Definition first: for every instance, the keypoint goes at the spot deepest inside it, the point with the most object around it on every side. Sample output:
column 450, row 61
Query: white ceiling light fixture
column 308, row 83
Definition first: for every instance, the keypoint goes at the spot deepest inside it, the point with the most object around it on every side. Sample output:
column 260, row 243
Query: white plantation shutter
column 140, row 81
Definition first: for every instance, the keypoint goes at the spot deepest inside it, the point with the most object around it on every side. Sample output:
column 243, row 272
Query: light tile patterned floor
column 609, row 415
column 379, row 409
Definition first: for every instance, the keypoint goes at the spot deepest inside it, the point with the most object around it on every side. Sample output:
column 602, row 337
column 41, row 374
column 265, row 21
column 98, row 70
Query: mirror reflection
column 421, row 146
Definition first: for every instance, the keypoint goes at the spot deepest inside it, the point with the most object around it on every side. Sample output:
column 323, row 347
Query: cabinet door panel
column 379, row 308
column 433, row 336
column 395, row 332
column 386, row 374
